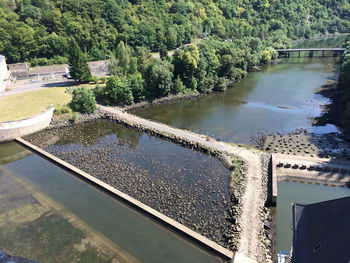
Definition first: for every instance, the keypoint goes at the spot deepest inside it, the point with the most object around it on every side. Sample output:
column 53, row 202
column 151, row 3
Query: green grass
column 25, row 105
column 237, row 174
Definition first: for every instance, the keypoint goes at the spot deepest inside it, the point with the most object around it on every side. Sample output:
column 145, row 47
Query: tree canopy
column 31, row 30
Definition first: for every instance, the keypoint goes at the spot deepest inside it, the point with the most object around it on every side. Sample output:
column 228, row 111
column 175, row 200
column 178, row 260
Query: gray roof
column 2, row 57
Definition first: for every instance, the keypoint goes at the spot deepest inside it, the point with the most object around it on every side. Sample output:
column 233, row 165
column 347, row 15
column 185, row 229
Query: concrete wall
column 4, row 74
column 14, row 129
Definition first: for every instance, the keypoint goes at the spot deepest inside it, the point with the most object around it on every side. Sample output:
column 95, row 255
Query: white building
column 5, row 76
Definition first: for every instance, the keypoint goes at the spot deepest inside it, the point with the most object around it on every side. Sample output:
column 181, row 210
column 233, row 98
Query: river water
column 280, row 97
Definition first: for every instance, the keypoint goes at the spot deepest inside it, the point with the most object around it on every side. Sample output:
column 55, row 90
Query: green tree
column 78, row 67
column 83, row 100
column 163, row 51
column 179, row 87
column 118, row 91
column 186, row 62
column 136, row 85
column 158, row 78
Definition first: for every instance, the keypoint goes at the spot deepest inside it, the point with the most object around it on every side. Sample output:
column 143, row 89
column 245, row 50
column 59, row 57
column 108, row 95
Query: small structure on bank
column 5, row 74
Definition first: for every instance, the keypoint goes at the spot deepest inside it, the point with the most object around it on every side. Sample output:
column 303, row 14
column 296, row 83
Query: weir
column 252, row 201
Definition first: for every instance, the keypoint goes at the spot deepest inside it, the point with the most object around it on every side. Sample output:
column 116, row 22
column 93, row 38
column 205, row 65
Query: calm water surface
column 281, row 97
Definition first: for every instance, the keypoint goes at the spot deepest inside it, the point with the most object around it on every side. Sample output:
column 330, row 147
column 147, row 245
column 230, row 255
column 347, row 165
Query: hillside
column 40, row 29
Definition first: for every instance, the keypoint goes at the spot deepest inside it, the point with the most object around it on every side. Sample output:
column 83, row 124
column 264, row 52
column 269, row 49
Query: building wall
column 4, row 74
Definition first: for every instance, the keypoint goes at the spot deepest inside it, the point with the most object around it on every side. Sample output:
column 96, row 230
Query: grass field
column 24, row 105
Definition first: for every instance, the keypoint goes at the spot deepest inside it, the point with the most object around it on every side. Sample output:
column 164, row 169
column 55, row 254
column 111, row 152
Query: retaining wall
column 14, row 129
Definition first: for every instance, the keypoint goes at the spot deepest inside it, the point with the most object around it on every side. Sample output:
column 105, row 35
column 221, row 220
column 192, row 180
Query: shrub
column 103, row 80
column 94, row 79
column 220, row 84
column 83, row 100
column 59, row 109
column 178, row 85
column 136, row 85
column 118, row 91
column 74, row 117
column 265, row 56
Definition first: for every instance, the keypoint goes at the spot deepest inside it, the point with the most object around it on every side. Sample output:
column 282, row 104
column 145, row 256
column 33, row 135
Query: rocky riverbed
column 330, row 145
column 185, row 185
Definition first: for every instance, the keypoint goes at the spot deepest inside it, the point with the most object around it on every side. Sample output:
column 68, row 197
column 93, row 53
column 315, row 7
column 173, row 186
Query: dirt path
column 252, row 201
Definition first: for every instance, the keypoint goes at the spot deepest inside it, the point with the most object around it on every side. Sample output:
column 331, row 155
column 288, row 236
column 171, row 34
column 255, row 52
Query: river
column 281, row 97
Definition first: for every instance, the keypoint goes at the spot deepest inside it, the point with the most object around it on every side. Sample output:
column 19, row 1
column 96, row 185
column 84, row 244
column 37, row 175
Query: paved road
column 35, row 85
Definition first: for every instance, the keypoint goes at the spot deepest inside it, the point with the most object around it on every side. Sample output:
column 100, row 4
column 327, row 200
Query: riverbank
column 318, row 37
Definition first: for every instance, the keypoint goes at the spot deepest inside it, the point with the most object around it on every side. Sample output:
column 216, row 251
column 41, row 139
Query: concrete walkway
column 310, row 169
column 252, row 201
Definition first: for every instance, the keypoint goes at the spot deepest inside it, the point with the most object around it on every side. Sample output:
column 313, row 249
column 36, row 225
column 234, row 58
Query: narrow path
column 252, row 201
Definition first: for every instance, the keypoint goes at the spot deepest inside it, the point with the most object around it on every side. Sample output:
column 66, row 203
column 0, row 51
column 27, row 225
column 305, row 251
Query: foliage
column 83, row 100
column 41, row 29
column 59, row 110
column 136, row 84
column 158, row 78
column 179, row 87
column 78, row 67
column 118, row 91
column 220, row 85
column 344, row 81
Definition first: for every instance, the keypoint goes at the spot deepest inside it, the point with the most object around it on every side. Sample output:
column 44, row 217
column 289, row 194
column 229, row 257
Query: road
column 28, row 85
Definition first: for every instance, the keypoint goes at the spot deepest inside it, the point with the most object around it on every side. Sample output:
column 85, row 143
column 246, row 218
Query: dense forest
column 39, row 30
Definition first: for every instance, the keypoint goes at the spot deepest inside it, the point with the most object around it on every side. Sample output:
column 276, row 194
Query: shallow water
column 138, row 235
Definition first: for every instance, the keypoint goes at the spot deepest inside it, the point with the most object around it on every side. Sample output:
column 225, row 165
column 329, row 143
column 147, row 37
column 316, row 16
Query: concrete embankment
column 13, row 129
column 253, row 198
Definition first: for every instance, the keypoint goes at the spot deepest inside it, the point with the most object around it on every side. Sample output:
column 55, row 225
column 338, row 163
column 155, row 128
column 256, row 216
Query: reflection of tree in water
column 127, row 136
column 90, row 133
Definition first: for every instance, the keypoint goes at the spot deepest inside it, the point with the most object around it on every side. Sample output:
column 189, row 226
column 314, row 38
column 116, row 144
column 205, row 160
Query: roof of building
column 2, row 57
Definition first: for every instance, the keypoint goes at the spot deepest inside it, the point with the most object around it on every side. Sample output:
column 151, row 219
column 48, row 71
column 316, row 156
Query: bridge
column 286, row 52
